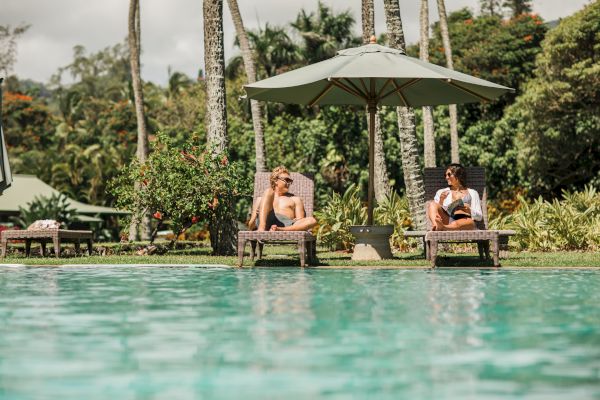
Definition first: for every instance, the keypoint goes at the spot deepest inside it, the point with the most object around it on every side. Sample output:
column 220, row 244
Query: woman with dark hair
column 455, row 207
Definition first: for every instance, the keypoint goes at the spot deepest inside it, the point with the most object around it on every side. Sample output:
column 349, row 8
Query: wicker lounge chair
column 56, row 236
column 435, row 180
column 302, row 187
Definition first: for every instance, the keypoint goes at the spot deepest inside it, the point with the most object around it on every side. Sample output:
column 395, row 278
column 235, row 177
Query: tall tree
column 517, row 7
column 382, row 183
column 250, row 67
column 214, row 59
column 223, row 230
column 454, row 155
column 8, row 46
column 134, row 41
column 428, row 131
column 490, row 7
column 413, row 176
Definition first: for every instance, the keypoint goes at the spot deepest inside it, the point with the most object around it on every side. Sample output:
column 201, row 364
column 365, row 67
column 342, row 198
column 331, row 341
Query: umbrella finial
column 373, row 40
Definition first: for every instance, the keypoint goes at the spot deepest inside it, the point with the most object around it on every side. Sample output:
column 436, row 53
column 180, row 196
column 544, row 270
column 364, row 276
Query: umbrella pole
column 372, row 106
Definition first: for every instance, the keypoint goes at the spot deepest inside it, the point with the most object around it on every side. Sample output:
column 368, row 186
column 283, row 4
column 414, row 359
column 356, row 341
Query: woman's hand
column 465, row 208
column 443, row 196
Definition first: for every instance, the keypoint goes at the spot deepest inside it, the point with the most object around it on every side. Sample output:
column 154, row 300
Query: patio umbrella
column 374, row 75
column 5, row 174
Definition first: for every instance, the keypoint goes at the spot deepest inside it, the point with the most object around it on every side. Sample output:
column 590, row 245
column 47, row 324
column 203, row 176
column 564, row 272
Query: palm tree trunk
column 413, row 176
column 452, row 109
column 223, row 232
column 214, row 59
column 381, row 179
column 428, row 132
column 134, row 42
column 250, row 67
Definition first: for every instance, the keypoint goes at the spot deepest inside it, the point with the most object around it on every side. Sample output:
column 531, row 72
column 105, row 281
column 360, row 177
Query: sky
column 172, row 32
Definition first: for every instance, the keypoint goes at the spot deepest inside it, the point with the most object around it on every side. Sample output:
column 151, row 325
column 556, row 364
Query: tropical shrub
column 182, row 186
column 572, row 223
column 343, row 211
column 56, row 207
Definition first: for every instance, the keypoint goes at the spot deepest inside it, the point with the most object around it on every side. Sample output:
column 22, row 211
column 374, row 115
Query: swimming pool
column 192, row 332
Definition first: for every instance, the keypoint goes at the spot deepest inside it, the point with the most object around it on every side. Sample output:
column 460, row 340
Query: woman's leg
column 463, row 224
column 437, row 215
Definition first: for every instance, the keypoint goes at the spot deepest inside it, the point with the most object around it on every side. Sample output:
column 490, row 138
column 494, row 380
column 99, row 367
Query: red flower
column 157, row 215
column 528, row 38
column 468, row 21
column 195, row 219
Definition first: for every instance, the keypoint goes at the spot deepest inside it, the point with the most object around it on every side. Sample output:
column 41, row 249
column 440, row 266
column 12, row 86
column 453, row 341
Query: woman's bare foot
column 439, row 224
column 274, row 228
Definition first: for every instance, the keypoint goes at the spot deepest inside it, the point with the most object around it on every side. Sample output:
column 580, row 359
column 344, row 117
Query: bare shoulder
column 268, row 192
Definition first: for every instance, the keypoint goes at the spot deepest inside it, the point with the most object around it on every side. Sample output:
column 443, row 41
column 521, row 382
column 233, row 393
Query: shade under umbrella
column 5, row 173
column 374, row 75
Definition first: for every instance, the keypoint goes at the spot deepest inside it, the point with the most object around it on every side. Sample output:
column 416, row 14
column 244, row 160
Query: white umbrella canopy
column 374, row 75
column 5, row 173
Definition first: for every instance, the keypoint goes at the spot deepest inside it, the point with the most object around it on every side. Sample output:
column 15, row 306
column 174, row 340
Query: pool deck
column 355, row 267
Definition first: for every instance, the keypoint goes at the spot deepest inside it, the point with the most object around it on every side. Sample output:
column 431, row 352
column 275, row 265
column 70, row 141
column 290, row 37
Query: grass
column 282, row 256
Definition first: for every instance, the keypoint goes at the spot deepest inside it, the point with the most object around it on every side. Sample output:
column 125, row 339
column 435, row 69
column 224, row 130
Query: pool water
column 197, row 332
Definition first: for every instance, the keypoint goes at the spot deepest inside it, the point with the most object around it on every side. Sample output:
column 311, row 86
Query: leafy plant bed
column 286, row 256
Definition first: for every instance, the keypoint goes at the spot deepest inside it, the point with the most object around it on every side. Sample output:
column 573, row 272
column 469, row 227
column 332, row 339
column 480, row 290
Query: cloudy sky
column 172, row 30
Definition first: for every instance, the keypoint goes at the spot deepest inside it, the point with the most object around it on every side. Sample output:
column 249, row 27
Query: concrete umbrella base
column 372, row 242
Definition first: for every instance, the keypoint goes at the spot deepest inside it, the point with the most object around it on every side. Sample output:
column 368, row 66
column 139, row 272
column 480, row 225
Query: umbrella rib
column 320, row 95
column 354, row 86
column 480, row 97
column 398, row 89
column 364, row 85
column 346, row 88
column 383, row 87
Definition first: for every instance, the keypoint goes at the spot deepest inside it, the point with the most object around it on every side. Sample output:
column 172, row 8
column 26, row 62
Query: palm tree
column 223, row 230
column 134, row 41
column 324, row 33
column 215, row 75
column 381, row 184
column 413, row 176
column 428, row 132
column 518, row 7
column 242, row 36
column 454, row 156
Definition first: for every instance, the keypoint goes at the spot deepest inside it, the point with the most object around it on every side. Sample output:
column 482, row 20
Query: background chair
column 302, row 187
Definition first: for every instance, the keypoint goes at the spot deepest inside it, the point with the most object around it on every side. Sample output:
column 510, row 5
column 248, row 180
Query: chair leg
column 77, row 246
column 302, row 252
column 89, row 246
column 313, row 252
column 433, row 248
column 43, row 247
column 252, row 249
column 241, row 246
column 56, row 242
column 486, row 249
column 27, row 247
column 480, row 249
column 260, row 250
column 496, row 251
column 426, row 249
column 4, row 245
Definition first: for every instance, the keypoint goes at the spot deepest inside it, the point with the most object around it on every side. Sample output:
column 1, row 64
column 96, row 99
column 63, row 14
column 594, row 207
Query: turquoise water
column 185, row 332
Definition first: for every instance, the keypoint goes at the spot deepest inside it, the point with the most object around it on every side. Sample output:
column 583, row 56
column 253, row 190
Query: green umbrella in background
column 5, row 174
column 374, row 75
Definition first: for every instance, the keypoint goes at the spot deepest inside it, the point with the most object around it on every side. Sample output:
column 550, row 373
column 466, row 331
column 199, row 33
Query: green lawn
column 287, row 256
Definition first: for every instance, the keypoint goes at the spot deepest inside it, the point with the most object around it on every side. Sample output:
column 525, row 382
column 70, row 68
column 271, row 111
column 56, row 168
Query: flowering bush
column 184, row 185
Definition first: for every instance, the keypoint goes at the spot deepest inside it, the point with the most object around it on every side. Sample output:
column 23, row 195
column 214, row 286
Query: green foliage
column 182, row 185
column 572, row 223
column 558, row 116
column 336, row 218
column 56, row 207
column 344, row 211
